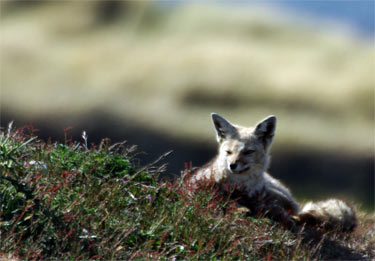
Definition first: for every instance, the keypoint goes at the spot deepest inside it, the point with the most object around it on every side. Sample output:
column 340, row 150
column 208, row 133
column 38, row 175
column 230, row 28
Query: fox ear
column 224, row 129
column 265, row 130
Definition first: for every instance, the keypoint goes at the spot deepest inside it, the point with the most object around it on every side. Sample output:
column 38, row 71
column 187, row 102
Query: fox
column 240, row 166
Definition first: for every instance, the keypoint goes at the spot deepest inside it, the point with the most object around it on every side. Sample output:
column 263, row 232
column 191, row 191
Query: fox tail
column 331, row 214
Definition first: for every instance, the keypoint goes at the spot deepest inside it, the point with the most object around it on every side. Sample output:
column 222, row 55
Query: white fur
column 332, row 211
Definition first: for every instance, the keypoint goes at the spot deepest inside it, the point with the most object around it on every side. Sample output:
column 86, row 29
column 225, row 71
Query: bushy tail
column 331, row 214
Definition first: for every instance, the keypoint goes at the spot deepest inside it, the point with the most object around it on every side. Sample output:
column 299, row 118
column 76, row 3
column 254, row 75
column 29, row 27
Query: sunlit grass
column 84, row 201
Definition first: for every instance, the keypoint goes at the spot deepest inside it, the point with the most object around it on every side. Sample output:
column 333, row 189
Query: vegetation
column 82, row 201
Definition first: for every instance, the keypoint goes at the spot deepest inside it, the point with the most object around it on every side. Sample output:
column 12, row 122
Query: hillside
column 84, row 201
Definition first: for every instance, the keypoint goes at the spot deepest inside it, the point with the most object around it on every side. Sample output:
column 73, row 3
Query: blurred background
column 152, row 72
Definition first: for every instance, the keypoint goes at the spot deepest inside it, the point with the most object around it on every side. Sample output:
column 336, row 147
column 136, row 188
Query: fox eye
column 228, row 152
column 248, row 152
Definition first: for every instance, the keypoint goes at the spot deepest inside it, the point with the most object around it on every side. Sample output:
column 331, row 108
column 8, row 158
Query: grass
column 190, row 60
column 84, row 201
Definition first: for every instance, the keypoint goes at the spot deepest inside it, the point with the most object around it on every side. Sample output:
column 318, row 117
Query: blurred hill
column 164, row 68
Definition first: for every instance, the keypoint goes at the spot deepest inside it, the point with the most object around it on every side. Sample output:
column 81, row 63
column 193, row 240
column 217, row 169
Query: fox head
column 244, row 150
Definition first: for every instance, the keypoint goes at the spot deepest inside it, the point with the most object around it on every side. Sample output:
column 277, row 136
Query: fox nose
column 233, row 166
